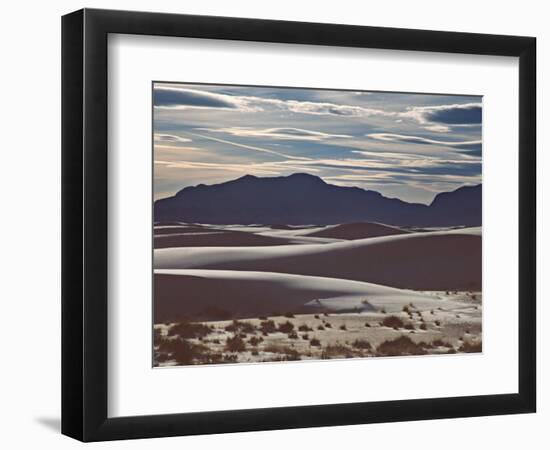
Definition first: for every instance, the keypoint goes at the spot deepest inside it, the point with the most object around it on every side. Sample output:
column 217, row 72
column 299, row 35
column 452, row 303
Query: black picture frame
column 84, row 224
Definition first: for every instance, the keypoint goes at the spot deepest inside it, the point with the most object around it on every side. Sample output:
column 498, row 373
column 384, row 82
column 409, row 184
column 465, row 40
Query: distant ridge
column 301, row 198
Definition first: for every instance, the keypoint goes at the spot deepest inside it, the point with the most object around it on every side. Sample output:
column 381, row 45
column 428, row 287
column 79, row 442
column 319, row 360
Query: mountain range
column 300, row 199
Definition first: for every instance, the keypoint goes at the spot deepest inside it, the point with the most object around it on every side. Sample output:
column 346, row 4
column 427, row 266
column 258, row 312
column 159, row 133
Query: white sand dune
column 207, row 294
column 439, row 260
column 360, row 230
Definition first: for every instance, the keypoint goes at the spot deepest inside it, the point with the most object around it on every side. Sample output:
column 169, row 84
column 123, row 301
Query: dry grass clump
column 362, row 344
column 470, row 347
column 183, row 352
column 403, row 345
column 441, row 343
column 241, row 327
column 315, row 342
column 336, row 351
column 393, row 322
column 289, row 353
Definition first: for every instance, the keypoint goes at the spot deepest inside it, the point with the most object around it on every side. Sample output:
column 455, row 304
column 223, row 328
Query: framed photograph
column 273, row 224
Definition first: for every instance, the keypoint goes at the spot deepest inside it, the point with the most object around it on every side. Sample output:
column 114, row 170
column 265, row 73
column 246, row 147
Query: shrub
column 292, row 335
column 235, row 344
column 183, row 351
column 403, row 345
column 470, row 347
column 229, row 358
column 268, row 326
column 254, row 341
column 304, row 328
column 262, row 318
column 289, row 315
column 188, row 330
column 316, row 316
column 241, row 327
column 392, row 322
column 343, row 327
column 408, row 326
column 254, row 353
column 451, row 351
column 315, row 342
column 423, row 326
column 383, row 310
column 406, row 309
column 286, row 327
column 437, row 323
column 321, row 328
column 367, row 325
column 290, row 353
column 328, row 325
column 362, row 344
column 305, row 337
column 336, row 351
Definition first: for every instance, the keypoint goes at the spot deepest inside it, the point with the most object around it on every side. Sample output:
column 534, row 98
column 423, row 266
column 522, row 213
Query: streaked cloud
column 247, row 147
column 184, row 98
column 170, row 139
column 296, row 134
column 389, row 137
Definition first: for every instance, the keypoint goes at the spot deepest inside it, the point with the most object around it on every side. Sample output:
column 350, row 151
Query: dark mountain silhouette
column 306, row 199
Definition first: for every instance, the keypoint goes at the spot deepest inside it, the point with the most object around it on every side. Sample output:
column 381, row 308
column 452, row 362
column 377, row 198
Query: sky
column 409, row 146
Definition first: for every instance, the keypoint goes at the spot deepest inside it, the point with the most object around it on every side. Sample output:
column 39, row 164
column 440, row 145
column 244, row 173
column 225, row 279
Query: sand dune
column 358, row 230
column 438, row 260
column 217, row 238
column 210, row 294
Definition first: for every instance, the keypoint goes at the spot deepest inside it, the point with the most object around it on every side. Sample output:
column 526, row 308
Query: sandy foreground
column 453, row 327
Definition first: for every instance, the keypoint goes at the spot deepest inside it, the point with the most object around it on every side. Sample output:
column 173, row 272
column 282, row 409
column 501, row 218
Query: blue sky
column 409, row 146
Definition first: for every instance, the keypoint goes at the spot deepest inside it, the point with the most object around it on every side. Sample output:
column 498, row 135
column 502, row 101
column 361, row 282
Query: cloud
column 439, row 117
column 183, row 98
column 474, row 146
column 170, row 139
column 248, row 147
column 170, row 97
column 318, row 108
column 296, row 134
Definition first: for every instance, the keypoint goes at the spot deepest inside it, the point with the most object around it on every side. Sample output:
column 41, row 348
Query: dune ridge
column 438, row 260
column 207, row 294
